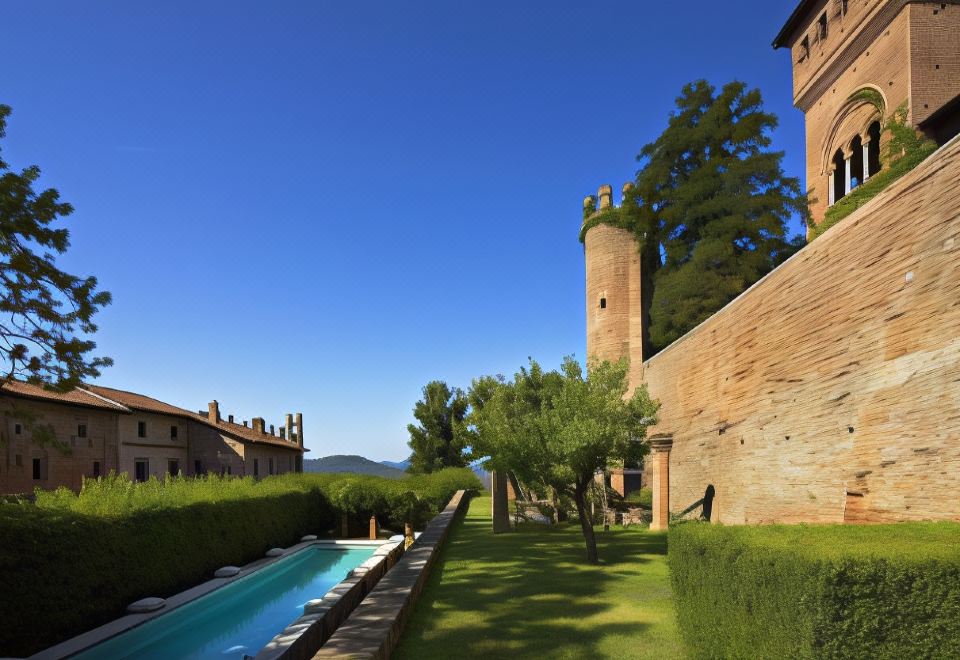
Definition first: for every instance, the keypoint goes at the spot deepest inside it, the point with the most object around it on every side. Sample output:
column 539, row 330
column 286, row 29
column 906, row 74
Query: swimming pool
column 240, row 618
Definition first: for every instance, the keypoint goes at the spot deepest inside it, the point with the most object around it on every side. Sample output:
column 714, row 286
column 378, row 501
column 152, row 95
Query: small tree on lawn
column 559, row 428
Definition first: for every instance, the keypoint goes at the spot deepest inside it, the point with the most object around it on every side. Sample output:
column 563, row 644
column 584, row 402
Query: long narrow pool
column 240, row 618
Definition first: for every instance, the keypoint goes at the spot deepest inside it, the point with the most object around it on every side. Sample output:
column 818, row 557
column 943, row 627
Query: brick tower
column 614, row 315
column 855, row 63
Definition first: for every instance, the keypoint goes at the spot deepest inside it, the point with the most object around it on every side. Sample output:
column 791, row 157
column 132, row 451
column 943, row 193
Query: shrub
column 806, row 591
column 76, row 560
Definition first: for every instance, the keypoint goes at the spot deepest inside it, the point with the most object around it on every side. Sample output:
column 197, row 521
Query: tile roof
column 76, row 397
column 122, row 401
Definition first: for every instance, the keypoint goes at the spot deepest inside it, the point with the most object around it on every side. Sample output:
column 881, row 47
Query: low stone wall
column 374, row 628
column 322, row 617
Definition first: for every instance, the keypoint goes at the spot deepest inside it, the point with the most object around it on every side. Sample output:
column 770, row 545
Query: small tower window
column 822, row 26
column 805, row 48
column 603, row 303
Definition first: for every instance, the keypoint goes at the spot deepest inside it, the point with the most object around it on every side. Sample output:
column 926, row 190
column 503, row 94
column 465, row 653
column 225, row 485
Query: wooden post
column 501, row 512
column 661, row 445
column 373, row 528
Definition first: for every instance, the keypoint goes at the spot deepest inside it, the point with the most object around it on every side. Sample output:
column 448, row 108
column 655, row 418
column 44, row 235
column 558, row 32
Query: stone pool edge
column 374, row 628
column 91, row 638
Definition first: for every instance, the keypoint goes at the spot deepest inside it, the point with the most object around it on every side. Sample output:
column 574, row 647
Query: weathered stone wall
column 830, row 391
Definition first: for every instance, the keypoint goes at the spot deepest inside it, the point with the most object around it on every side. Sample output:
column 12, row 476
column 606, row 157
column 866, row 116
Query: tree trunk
column 585, row 523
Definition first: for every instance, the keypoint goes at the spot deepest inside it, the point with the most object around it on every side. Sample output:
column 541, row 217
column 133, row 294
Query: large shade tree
column 709, row 208
column 558, row 429
column 440, row 438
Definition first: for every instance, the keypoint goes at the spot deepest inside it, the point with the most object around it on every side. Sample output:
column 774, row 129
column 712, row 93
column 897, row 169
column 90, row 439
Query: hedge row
column 73, row 562
column 817, row 591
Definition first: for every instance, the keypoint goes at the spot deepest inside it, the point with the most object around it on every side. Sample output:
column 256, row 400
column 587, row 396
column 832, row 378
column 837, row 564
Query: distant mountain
column 400, row 465
column 354, row 464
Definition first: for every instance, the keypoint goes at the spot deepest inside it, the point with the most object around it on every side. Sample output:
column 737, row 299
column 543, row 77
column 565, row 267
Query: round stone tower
column 614, row 314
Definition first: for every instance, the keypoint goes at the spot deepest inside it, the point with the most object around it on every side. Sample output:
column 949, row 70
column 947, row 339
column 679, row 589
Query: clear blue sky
column 319, row 207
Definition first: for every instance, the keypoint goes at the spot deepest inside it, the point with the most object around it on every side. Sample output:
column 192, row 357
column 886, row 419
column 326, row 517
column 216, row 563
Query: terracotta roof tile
column 74, row 397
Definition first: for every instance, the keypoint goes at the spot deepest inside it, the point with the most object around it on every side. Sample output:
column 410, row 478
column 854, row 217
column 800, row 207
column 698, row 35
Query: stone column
column 846, row 169
column 866, row 159
column 660, row 445
column 831, row 188
column 616, row 481
column 501, row 510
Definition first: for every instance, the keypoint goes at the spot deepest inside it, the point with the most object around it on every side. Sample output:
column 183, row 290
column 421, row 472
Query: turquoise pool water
column 240, row 618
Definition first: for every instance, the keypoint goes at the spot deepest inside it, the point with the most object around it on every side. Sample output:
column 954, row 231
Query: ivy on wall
column 906, row 149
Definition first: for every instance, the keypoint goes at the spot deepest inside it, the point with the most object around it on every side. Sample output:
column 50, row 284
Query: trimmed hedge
column 815, row 591
column 73, row 562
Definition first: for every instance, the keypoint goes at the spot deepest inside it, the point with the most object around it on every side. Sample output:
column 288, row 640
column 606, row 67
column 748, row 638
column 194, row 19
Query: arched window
column 839, row 170
column 873, row 148
column 856, row 162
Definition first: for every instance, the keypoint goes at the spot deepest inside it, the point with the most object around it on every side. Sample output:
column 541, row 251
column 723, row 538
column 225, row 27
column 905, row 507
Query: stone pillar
column 846, row 173
column 501, row 510
column 660, row 445
column 299, row 424
column 831, row 188
column 616, row 481
column 288, row 424
column 605, row 193
column 866, row 159
column 373, row 528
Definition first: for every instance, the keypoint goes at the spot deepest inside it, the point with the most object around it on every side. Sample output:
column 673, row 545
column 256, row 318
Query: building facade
column 49, row 439
column 855, row 64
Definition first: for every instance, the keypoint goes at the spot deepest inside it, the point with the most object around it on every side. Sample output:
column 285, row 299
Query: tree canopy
column 558, row 429
column 709, row 208
column 440, row 439
column 47, row 314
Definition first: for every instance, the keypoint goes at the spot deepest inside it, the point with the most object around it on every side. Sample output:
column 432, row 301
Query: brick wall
column 830, row 391
column 934, row 57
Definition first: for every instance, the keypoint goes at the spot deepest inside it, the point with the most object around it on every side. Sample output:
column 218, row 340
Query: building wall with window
column 845, row 55
column 147, row 439
column 84, row 444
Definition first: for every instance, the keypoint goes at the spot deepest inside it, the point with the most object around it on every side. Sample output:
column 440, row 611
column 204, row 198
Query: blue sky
column 319, row 207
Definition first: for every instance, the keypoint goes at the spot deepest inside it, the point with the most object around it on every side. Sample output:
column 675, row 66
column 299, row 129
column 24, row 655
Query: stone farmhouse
column 93, row 430
column 830, row 390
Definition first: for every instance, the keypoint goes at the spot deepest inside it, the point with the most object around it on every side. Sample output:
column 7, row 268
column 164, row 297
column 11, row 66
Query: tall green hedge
column 73, row 561
column 817, row 591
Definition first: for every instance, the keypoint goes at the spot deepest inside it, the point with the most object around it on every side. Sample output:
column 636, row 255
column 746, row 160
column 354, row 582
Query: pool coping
column 91, row 638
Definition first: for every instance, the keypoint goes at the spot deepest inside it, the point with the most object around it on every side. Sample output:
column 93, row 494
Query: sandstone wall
column 830, row 391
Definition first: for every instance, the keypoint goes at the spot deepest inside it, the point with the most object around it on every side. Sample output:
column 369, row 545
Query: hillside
column 355, row 464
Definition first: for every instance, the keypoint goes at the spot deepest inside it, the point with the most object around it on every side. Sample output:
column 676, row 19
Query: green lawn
column 528, row 594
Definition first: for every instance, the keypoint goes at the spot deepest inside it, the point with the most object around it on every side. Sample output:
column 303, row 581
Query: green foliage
column 642, row 497
column 440, row 439
column 871, row 96
column 907, row 149
column 811, row 591
column 76, row 560
column 708, row 208
column 47, row 313
column 556, row 430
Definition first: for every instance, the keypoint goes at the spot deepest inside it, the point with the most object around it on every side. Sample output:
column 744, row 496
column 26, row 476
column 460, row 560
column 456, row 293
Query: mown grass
column 529, row 594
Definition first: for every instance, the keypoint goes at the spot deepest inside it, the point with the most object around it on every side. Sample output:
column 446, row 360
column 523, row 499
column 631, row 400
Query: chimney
column 299, row 424
column 272, row 432
column 283, row 433
column 213, row 413
column 230, row 418
column 244, row 422
column 258, row 424
column 605, row 193
column 289, row 425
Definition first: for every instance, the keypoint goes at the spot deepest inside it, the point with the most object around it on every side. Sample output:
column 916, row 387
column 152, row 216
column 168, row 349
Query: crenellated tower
column 614, row 310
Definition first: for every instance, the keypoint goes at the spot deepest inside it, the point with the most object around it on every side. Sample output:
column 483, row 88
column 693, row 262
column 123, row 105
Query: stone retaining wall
column 374, row 628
